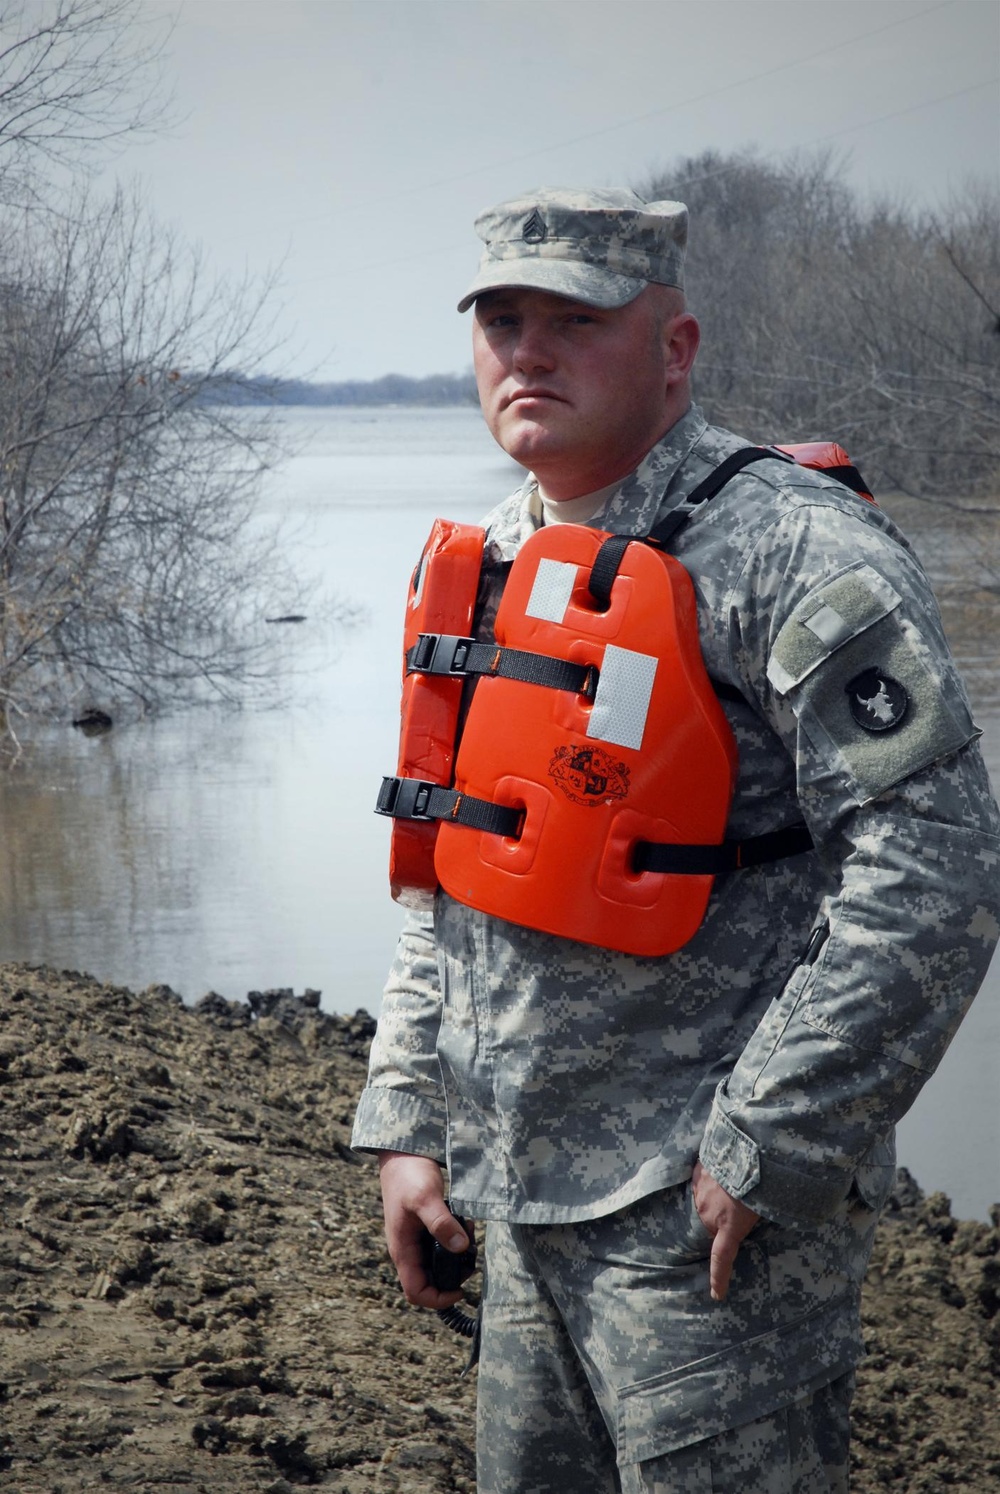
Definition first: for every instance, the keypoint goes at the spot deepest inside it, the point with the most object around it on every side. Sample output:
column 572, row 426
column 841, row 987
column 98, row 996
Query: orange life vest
column 648, row 757
column 441, row 599
column 828, row 457
column 590, row 791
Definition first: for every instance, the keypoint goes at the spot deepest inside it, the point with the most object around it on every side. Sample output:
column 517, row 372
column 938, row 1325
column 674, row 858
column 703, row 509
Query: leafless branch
column 131, row 560
column 827, row 316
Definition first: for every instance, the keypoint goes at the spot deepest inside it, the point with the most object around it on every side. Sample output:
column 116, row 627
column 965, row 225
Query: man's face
column 576, row 393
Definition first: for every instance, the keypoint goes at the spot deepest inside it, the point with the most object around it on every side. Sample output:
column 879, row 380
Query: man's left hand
column 727, row 1220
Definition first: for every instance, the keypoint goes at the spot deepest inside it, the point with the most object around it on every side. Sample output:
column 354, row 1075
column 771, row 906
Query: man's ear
column 682, row 336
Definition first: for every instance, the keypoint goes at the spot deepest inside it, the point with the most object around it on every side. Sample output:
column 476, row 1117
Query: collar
column 640, row 500
column 667, row 473
column 577, row 510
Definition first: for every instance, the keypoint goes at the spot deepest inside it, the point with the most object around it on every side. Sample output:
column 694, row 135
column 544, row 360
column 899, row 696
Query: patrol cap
column 600, row 246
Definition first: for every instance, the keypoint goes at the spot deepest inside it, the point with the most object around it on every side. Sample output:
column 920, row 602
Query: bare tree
column 75, row 75
column 130, row 560
column 133, row 566
column 824, row 315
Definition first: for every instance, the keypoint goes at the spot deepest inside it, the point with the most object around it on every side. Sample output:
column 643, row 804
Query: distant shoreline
column 435, row 391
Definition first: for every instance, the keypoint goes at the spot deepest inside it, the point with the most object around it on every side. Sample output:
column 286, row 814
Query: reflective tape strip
column 551, row 590
column 828, row 626
column 621, row 704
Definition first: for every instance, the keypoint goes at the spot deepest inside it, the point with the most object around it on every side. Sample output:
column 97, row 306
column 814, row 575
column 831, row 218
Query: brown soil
column 194, row 1293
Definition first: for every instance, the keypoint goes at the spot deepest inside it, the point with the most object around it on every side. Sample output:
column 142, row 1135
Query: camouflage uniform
column 605, row 1359
column 569, row 1089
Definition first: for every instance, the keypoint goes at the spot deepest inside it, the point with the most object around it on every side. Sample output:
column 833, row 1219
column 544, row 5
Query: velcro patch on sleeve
column 825, row 620
column 876, row 696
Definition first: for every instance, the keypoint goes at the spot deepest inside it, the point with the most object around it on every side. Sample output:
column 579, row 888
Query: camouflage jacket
column 559, row 1081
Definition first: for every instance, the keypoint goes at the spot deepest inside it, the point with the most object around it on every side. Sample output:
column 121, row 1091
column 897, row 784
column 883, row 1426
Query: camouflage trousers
column 606, row 1368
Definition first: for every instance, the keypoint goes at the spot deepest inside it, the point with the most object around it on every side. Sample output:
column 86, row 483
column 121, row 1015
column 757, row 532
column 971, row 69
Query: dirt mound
column 194, row 1293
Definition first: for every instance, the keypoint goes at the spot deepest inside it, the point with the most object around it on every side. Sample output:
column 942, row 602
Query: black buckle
column 438, row 653
column 405, row 798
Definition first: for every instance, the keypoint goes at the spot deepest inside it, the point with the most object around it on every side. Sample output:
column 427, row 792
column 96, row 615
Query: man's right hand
column 413, row 1200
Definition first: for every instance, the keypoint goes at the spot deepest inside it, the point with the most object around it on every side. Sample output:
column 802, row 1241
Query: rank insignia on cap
column 877, row 701
column 534, row 229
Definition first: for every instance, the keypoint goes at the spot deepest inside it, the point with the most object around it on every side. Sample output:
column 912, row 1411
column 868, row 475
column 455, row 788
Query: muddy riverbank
column 194, row 1293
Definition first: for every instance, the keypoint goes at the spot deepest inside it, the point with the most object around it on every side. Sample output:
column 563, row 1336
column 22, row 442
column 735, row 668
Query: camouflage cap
column 599, row 246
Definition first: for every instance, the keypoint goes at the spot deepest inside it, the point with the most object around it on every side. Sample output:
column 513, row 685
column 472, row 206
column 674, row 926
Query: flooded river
column 238, row 850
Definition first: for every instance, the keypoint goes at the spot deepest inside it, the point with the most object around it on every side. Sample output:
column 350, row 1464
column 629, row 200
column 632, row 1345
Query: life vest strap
column 731, row 855
column 849, row 475
column 605, row 568
column 416, row 799
column 663, row 532
column 609, row 557
column 457, row 657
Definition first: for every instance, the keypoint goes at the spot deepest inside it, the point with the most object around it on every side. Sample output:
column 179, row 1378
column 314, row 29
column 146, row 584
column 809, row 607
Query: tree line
column 432, row 390
column 828, row 315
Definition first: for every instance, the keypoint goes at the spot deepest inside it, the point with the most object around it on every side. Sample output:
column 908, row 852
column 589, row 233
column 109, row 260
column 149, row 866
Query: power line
column 622, row 124
column 942, row 98
column 440, row 253
column 700, row 98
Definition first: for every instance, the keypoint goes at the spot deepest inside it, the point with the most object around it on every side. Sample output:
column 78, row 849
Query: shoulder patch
column 877, row 701
column 873, row 688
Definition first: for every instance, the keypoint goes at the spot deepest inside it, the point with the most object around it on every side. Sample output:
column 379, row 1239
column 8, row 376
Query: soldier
column 681, row 1157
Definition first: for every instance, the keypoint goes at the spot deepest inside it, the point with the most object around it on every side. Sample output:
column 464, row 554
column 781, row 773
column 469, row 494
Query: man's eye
column 582, row 318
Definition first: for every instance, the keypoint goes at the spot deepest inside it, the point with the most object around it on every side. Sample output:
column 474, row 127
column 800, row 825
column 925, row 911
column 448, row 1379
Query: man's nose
column 535, row 348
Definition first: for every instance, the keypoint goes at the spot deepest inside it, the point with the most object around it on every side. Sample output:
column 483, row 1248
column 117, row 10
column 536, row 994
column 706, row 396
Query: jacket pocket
column 696, row 1243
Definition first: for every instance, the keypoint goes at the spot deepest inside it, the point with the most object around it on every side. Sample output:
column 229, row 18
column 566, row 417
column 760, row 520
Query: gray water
column 230, row 851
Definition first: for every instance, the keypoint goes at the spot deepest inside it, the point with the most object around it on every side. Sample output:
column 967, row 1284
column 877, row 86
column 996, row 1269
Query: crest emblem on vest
column 534, row 230
column 589, row 775
column 877, row 701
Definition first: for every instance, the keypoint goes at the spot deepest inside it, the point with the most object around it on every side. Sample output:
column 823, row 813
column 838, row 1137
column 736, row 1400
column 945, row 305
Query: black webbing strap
column 448, row 654
column 416, row 799
column 711, row 485
column 849, row 475
column 727, row 692
column 605, row 568
column 728, row 469
column 731, row 855
column 609, row 556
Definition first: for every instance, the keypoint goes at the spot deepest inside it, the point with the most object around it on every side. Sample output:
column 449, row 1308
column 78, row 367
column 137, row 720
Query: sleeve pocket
column 876, row 1173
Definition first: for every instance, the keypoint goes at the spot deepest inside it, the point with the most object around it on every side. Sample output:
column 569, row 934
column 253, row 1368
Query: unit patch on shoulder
column 877, row 701
column 589, row 775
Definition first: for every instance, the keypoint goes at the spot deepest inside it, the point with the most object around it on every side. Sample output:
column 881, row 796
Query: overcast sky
column 352, row 142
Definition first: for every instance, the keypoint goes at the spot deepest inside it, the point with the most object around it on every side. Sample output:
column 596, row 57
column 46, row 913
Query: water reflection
column 229, row 850
column 951, row 1137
